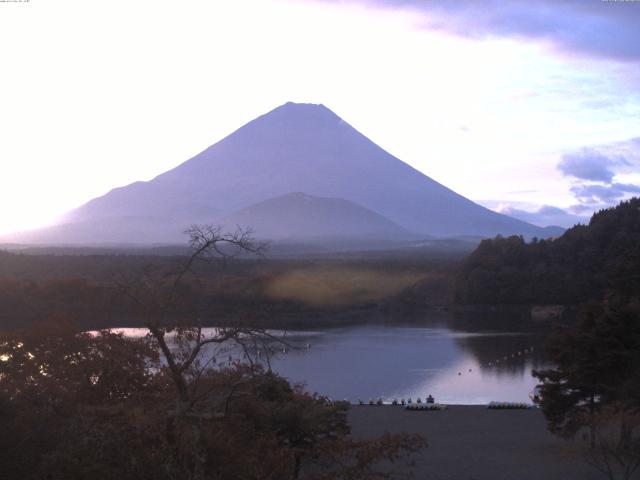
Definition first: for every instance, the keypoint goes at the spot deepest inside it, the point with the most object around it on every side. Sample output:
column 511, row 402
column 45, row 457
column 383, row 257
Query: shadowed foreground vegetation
column 78, row 406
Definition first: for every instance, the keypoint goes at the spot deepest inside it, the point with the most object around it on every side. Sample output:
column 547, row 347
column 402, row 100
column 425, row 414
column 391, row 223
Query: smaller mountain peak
column 296, row 195
column 299, row 196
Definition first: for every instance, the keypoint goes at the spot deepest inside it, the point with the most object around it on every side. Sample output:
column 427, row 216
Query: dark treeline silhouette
column 577, row 267
column 268, row 291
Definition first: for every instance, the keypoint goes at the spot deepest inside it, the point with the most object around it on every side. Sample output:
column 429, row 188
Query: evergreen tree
column 596, row 366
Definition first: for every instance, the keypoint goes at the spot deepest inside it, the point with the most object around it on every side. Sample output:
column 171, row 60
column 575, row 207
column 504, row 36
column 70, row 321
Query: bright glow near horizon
column 95, row 95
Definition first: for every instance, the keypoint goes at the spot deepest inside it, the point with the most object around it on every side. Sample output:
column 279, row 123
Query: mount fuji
column 297, row 172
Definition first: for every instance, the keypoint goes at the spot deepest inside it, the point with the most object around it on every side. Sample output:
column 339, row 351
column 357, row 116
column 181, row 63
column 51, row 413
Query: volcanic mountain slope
column 294, row 148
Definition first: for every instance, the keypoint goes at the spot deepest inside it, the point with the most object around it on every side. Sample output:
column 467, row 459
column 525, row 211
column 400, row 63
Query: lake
column 402, row 361
column 457, row 361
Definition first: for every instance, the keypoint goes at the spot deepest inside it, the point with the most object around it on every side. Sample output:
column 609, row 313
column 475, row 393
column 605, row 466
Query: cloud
column 594, row 170
column 544, row 216
column 603, row 195
column 593, row 27
column 600, row 177
column 590, row 164
column 581, row 209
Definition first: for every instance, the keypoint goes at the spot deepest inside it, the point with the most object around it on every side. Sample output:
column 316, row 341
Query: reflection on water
column 454, row 360
column 363, row 362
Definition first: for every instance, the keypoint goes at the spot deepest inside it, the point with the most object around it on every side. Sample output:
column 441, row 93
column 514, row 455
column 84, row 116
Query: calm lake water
column 363, row 362
column 458, row 362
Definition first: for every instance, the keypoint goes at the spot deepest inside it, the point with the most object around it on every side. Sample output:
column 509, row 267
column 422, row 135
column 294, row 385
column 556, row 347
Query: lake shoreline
column 461, row 316
column 472, row 442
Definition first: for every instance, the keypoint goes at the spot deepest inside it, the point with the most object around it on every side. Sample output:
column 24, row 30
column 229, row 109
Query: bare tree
column 204, row 404
column 169, row 309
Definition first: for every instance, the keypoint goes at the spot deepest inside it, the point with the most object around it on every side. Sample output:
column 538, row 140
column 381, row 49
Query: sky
column 529, row 108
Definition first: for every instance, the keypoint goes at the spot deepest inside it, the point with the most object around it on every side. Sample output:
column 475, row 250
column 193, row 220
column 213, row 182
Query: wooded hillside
column 579, row 266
